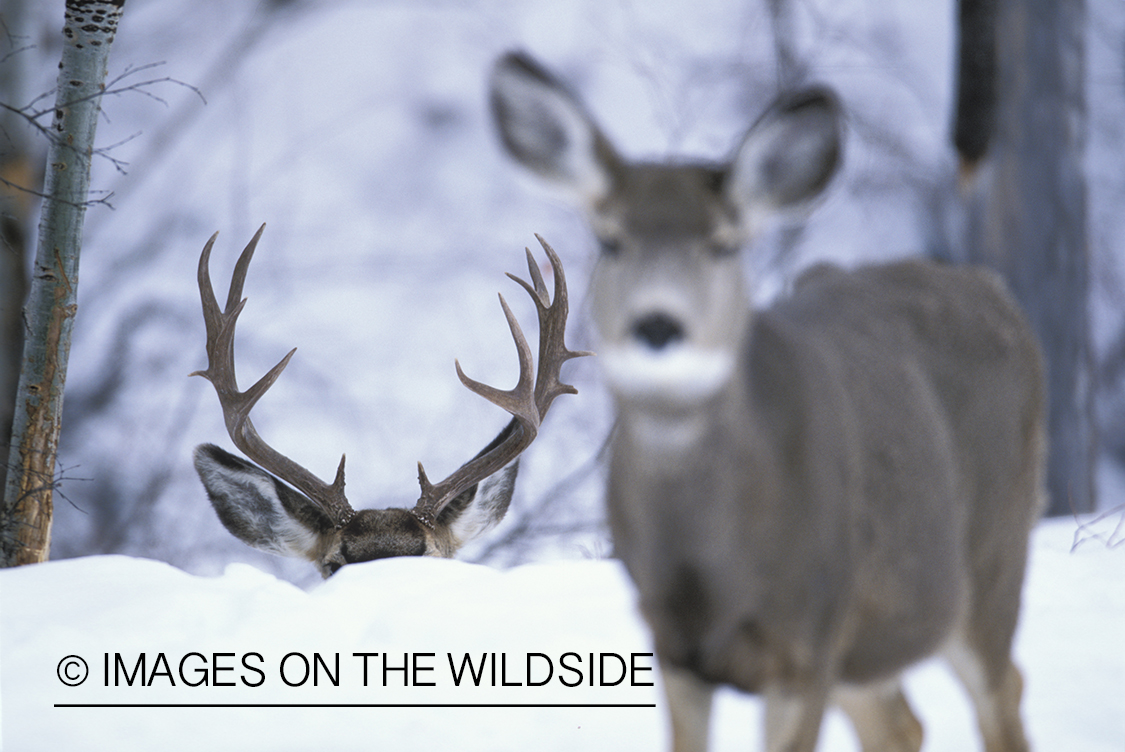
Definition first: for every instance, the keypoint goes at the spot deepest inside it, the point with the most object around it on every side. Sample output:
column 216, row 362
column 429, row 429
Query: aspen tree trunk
column 25, row 517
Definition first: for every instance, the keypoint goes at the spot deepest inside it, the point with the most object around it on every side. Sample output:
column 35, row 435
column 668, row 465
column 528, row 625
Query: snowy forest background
column 359, row 133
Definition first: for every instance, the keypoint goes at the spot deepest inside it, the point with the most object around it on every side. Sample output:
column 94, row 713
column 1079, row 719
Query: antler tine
column 518, row 401
column 241, row 267
column 528, row 402
column 237, row 405
column 553, row 351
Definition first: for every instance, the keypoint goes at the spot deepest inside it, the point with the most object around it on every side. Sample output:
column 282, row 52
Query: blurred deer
column 813, row 496
column 282, row 508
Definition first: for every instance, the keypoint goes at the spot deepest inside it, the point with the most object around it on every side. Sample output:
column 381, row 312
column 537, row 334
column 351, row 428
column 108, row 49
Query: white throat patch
column 676, row 376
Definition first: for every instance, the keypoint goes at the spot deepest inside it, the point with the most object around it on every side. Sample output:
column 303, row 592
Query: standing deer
column 315, row 521
column 813, row 496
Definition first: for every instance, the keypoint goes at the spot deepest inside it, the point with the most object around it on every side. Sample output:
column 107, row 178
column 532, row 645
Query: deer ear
column 789, row 155
column 257, row 508
column 480, row 508
column 544, row 127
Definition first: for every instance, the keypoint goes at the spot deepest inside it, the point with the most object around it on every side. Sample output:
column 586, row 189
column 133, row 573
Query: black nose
column 658, row 330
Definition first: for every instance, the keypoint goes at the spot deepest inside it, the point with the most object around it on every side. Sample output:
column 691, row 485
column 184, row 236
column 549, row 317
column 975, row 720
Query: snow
column 1069, row 646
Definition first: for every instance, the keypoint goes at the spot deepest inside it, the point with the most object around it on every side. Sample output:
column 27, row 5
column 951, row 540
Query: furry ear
column 480, row 508
column 545, row 127
column 258, row 509
column 789, row 155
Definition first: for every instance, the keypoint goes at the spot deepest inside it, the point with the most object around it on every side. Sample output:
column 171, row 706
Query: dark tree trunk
column 1027, row 201
column 18, row 189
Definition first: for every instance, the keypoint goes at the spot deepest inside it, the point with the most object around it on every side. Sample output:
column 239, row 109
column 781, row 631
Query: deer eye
column 609, row 246
column 722, row 249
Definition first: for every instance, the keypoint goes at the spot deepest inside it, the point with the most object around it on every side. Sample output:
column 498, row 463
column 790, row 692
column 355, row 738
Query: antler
column 528, row 402
column 237, row 405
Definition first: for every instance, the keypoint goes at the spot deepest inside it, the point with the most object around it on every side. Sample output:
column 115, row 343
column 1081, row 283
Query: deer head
column 668, row 295
column 280, row 507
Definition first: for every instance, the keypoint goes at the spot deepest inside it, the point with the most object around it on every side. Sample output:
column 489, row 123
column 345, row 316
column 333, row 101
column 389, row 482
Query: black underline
column 350, row 705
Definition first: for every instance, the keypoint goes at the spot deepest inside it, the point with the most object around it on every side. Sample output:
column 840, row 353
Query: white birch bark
column 25, row 517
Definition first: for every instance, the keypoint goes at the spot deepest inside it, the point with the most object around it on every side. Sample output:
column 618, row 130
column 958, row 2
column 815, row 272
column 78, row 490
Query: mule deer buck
column 316, row 521
column 812, row 496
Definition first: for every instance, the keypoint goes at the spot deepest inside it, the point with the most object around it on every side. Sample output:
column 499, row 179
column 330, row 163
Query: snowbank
column 249, row 639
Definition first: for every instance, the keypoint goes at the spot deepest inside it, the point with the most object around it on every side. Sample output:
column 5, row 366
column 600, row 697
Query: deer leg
column 995, row 688
column 793, row 719
column 881, row 716
column 689, row 705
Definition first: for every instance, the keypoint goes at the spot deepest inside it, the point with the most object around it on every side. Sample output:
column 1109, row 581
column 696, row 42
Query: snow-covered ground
column 540, row 623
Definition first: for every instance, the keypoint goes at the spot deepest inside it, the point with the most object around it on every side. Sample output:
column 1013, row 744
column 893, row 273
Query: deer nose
column 658, row 330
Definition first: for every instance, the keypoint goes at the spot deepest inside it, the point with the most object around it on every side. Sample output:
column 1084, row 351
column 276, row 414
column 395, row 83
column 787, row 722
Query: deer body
column 813, row 496
column 816, row 515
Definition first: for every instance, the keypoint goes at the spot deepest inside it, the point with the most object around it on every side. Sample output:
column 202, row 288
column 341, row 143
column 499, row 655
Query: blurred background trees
column 393, row 216
column 1020, row 131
